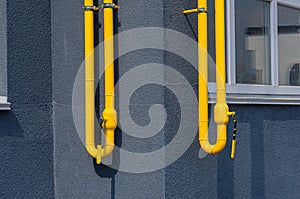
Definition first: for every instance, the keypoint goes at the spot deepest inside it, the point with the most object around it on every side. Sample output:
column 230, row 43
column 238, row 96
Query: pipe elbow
column 213, row 149
column 220, row 143
column 91, row 149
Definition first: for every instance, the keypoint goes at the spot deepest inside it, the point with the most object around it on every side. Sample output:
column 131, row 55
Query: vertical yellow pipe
column 109, row 113
column 203, row 74
column 221, row 108
column 221, row 112
column 89, row 80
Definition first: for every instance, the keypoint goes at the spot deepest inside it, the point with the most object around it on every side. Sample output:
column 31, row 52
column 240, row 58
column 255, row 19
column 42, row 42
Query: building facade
column 42, row 100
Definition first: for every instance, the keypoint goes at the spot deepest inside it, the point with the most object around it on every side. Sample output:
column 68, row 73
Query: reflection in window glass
column 252, row 19
column 211, row 42
column 288, row 45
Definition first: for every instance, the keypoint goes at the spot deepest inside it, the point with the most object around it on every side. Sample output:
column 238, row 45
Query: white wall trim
column 258, row 94
column 4, row 105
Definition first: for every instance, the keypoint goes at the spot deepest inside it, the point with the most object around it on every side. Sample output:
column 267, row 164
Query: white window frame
column 253, row 93
column 4, row 105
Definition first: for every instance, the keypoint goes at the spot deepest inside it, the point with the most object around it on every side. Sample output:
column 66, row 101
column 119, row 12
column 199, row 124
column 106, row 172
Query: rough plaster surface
column 26, row 144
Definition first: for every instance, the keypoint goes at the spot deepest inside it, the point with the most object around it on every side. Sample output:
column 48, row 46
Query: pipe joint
column 110, row 119
column 221, row 113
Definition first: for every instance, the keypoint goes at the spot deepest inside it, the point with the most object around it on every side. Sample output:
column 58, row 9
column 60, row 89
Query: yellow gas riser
column 109, row 113
column 89, row 80
column 221, row 109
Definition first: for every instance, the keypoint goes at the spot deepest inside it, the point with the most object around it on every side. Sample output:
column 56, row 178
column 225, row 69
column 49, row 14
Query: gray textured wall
column 3, row 51
column 42, row 155
column 26, row 143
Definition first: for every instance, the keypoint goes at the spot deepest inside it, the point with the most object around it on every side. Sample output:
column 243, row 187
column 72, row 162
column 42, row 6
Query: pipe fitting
column 110, row 119
column 221, row 113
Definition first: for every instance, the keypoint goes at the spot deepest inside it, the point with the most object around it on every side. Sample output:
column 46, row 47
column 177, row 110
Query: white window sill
column 258, row 94
column 4, row 105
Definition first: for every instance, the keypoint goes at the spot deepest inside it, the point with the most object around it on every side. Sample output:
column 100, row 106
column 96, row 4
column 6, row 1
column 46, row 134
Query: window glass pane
column 252, row 19
column 288, row 45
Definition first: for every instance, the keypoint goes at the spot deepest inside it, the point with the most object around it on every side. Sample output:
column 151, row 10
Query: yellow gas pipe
column 221, row 110
column 109, row 113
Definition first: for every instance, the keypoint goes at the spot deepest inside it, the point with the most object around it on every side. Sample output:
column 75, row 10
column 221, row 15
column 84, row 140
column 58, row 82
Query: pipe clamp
column 202, row 10
column 110, row 5
column 90, row 8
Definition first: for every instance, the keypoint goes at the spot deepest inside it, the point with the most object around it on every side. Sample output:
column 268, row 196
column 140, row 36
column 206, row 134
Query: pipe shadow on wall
column 191, row 26
column 9, row 125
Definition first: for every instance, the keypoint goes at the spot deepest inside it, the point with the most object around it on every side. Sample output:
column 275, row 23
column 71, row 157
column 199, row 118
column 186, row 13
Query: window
column 263, row 52
column 252, row 27
column 4, row 105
